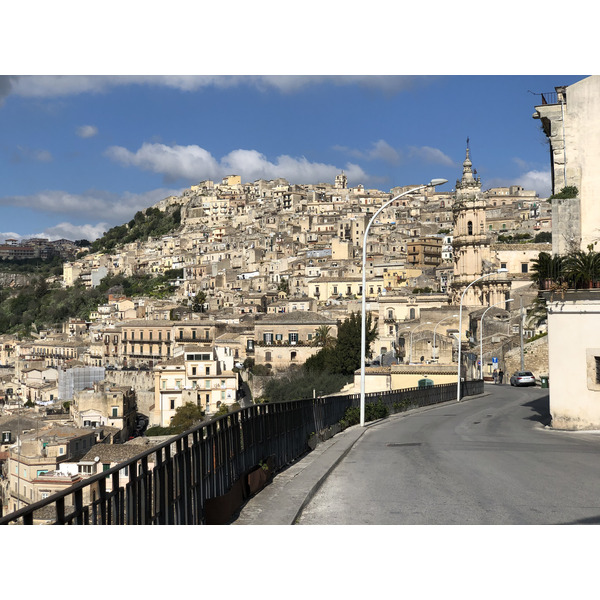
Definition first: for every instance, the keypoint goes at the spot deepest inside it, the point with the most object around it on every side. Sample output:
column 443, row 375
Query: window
column 268, row 356
column 293, row 338
column 524, row 267
column 470, row 227
column 207, row 371
column 503, row 265
column 597, row 364
column 172, row 404
column 193, row 370
column 115, row 411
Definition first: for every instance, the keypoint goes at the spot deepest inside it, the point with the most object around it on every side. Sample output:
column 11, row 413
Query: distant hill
column 152, row 222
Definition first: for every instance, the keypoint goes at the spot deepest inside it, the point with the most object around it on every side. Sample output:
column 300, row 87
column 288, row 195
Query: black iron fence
column 203, row 476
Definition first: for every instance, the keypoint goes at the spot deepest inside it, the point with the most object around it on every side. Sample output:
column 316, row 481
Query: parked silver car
column 522, row 378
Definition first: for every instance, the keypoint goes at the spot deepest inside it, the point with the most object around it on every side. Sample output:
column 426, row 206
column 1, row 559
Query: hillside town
column 263, row 267
column 262, row 272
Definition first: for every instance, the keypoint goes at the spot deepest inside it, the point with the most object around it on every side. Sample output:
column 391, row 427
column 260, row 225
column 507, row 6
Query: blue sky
column 81, row 154
column 84, row 144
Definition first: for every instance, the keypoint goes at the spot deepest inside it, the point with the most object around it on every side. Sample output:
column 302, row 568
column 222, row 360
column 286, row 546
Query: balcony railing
column 202, row 476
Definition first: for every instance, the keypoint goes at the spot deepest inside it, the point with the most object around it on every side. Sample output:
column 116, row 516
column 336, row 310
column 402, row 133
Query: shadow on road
column 540, row 408
column 586, row 521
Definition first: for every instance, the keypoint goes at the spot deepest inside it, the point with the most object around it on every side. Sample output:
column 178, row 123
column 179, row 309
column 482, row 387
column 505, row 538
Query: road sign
column 495, row 360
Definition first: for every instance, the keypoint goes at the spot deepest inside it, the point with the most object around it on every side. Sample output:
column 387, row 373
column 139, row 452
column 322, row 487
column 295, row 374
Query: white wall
column 573, row 342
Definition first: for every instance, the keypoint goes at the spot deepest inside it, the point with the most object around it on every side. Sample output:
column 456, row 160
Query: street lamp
column 363, row 341
column 411, row 339
column 434, row 346
column 460, row 324
column 481, row 331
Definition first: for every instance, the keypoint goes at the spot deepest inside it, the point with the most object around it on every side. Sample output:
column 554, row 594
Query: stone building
column 471, row 245
column 570, row 118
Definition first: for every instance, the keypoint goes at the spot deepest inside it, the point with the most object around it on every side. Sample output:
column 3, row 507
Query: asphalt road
column 488, row 460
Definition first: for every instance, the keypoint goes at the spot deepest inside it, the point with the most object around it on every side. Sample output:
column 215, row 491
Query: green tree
column 344, row 357
column 543, row 236
column 198, row 302
column 186, row 417
column 583, row 268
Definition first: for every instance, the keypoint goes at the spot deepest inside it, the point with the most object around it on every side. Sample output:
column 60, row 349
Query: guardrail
column 204, row 475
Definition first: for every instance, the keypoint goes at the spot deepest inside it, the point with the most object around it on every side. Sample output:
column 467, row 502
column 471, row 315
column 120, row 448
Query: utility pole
column 521, row 332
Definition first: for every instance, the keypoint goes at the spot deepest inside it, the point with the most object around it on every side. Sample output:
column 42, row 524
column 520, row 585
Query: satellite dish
column 96, row 459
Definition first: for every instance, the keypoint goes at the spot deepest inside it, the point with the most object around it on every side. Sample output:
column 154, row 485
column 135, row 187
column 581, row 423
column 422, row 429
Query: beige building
column 106, row 405
column 574, row 360
column 285, row 339
column 34, row 463
column 197, row 376
column 471, row 246
column 401, row 377
column 570, row 118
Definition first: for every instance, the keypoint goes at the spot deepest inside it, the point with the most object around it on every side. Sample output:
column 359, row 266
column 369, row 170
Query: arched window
column 470, row 227
column 412, row 313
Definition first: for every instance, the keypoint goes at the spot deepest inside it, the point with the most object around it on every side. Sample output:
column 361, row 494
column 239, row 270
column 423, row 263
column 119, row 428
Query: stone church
column 471, row 246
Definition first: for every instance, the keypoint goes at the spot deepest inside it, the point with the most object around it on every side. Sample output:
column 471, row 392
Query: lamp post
column 460, row 324
column 481, row 331
column 411, row 339
column 434, row 346
column 363, row 341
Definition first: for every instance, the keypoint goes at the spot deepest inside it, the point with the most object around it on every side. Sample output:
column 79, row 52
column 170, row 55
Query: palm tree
column 323, row 337
column 582, row 269
column 547, row 268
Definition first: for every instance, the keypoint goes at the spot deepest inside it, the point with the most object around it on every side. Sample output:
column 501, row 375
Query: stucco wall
column 572, row 345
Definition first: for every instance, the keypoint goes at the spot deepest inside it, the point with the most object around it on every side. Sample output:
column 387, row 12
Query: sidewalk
column 282, row 501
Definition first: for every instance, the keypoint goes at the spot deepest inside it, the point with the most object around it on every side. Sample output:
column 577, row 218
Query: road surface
column 487, row 460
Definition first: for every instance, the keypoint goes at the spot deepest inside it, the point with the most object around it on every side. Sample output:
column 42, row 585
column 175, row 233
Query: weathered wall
column 141, row 381
column 535, row 357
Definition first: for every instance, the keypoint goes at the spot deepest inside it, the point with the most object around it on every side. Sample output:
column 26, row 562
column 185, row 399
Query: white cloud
column 174, row 162
column 540, row 181
column 194, row 163
column 72, row 232
column 380, row 150
column 54, row 86
column 87, row 131
column 431, row 155
column 90, row 205
column 8, row 235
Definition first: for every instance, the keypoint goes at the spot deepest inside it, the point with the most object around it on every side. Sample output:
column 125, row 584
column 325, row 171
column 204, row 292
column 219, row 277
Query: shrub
column 373, row 411
column 569, row 191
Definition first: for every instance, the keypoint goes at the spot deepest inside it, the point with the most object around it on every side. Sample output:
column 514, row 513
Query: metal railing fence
column 173, row 482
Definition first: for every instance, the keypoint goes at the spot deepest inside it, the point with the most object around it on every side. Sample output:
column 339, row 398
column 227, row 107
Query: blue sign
column 495, row 360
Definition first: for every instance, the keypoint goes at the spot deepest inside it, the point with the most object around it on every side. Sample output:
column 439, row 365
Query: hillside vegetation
column 149, row 223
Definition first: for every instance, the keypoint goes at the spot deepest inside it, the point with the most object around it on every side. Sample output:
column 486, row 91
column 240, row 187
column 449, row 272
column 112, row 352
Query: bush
column 373, row 411
column 569, row 191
